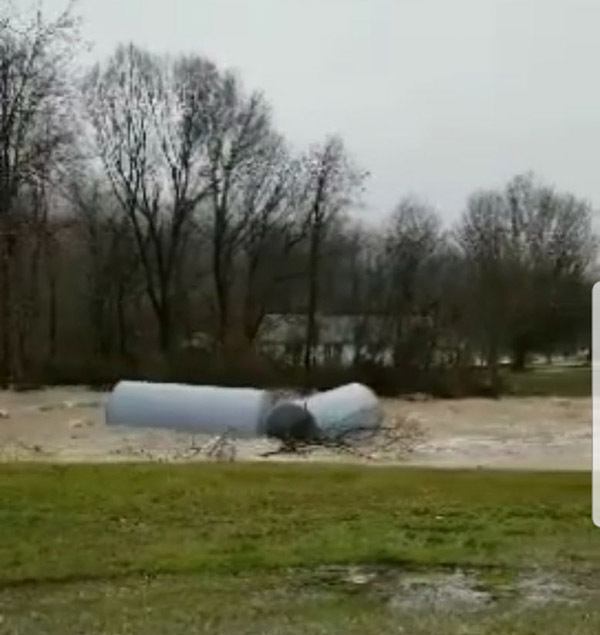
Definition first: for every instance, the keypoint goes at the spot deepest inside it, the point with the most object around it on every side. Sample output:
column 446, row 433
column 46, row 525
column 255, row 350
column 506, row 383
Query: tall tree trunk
column 33, row 302
column 492, row 365
column 254, row 309
column 223, row 314
column 27, row 281
column 6, row 301
column 520, row 350
column 52, row 318
column 519, row 359
column 97, row 317
column 165, row 338
column 221, row 283
column 313, row 298
column 122, row 321
column 52, row 281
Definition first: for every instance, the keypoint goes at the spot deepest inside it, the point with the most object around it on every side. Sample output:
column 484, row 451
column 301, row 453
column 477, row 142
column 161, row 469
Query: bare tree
column 240, row 142
column 33, row 263
column 112, row 269
column 529, row 249
column 551, row 247
column 35, row 100
column 270, row 231
column 151, row 131
column 485, row 243
column 411, row 241
column 331, row 184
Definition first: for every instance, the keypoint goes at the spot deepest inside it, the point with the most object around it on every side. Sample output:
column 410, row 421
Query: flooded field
column 67, row 425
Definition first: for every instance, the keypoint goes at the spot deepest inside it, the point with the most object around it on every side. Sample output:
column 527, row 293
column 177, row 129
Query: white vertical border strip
column 596, row 402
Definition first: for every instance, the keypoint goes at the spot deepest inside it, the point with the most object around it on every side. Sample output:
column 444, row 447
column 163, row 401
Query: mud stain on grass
column 460, row 590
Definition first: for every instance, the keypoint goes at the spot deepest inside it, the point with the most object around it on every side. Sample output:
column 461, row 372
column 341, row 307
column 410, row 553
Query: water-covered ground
column 67, row 424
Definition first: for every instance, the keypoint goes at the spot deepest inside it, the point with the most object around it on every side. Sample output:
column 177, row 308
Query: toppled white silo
column 289, row 421
column 345, row 410
column 196, row 409
column 327, row 415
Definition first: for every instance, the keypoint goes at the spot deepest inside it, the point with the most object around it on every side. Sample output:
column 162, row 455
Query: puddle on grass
column 460, row 589
column 543, row 588
column 456, row 591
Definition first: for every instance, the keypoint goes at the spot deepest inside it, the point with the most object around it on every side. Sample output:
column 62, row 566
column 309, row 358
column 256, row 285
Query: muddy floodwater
column 67, row 425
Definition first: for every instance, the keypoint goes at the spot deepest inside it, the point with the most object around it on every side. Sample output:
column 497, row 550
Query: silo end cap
column 291, row 422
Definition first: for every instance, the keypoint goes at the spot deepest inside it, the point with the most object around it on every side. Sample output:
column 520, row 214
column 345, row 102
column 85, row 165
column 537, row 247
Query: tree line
column 151, row 198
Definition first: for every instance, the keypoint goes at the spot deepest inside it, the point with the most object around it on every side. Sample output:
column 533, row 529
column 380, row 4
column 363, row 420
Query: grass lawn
column 295, row 549
column 557, row 381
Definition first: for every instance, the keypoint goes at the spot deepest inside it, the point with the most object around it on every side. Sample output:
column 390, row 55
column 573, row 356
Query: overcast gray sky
column 434, row 97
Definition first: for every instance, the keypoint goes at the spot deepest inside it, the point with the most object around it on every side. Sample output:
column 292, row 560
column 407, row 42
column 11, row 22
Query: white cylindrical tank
column 344, row 409
column 196, row 409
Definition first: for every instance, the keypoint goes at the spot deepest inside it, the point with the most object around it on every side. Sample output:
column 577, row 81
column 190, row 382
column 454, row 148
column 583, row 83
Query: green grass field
column 555, row 381
column 295, row 549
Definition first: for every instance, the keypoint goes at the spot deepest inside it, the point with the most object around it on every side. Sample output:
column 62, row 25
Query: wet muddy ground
column 331, row 600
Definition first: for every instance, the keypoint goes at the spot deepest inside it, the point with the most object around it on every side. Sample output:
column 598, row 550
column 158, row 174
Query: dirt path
column 67, row 425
